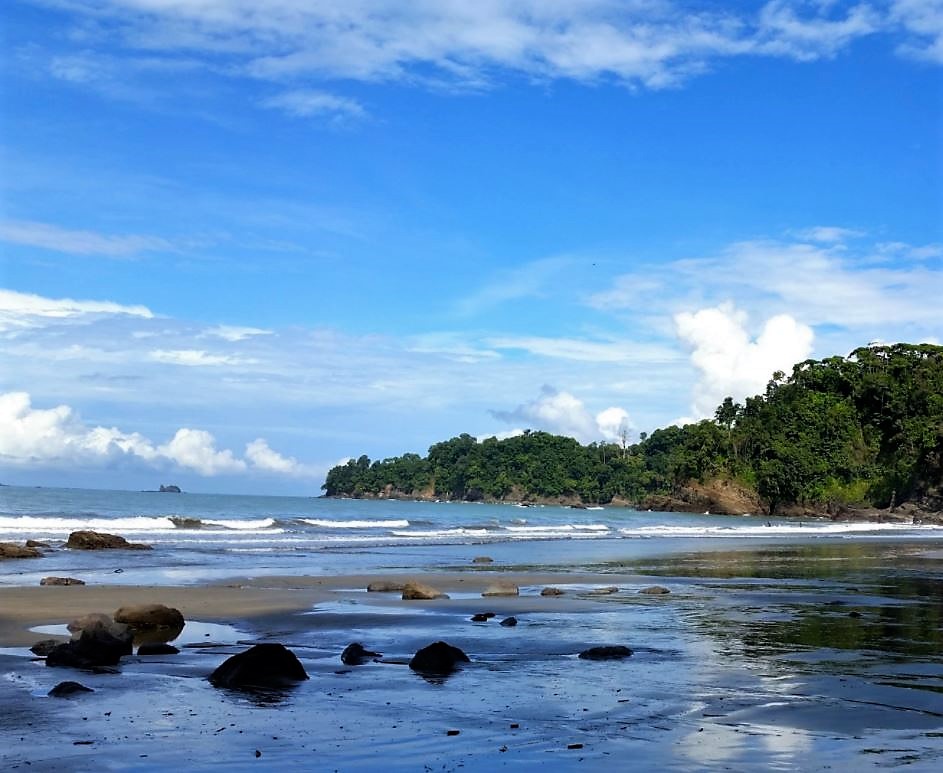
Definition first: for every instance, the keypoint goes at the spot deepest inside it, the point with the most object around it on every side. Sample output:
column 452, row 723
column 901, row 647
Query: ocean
column 202, row 537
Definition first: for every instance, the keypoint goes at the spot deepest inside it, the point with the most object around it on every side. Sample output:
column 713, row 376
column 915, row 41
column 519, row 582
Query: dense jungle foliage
column 866, row 429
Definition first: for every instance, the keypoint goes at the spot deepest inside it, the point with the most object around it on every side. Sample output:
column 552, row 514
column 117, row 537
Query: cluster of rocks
column 78, row 540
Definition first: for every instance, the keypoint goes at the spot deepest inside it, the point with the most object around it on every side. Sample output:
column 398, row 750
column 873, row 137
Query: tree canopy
column 865, row 429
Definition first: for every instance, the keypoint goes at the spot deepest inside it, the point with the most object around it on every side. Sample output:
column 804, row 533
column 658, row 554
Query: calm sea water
column 204, row 536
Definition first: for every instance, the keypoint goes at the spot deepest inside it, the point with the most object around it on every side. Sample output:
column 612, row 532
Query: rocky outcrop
column 93, row 540
column 12, row 550
column 61, row 581
column 420, row 591
column 44, row 646
column 355, row 654
column 35, row 543
column 610, row 652
column 719, row 496
column 501, row 589
column 264, row 665
column 438, row 659
column 171, row 489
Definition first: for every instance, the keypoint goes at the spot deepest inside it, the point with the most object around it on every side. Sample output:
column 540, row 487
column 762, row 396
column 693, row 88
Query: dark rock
column 482, row 560
column 182, row 522
column 34, row 543
column 264, row 665
column 616, row 652
column 45, row 646
column 12, row 550
column 655, row 590
column 421, row 591
column 509, row 622
column 61, row 581
column 157, row 648
column 386, row 586
column 438, row 659
column 548, row 591
column 482, row 617
column 96, row 646
column 355, row 654
column 854, row 614
column 171, row 489
column 93, row 540
column 474, row 495
column 64, row 689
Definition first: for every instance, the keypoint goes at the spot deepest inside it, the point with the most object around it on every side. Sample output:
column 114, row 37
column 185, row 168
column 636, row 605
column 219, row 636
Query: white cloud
column 829, row 234
column 581, row 350
column 58, row 437
column 561, row 413
column 234, row 333
column 648, row 43
column 729, row 362
column 21, row 310
column 307, row 103
column 260, row 456
column 194, row 358
column 528, row 281
column 52, row 237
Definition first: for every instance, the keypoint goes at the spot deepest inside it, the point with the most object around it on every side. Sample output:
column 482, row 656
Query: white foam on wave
column 563, row 528
column 331, row 524
column 439, row 533
column 259, row 523
column 774, row 530
column 47, row 524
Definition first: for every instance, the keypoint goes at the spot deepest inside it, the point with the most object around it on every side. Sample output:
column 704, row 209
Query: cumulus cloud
column 729, row 362
column 564, row 414
column 58, row 436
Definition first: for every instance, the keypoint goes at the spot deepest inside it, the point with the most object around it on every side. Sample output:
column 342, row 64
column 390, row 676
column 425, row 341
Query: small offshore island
column 851, row 438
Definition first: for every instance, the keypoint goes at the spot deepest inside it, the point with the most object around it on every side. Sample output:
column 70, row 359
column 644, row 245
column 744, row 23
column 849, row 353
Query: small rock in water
column 452, row 732
column 509, row 622
column 64, row 689
column 501, row 589
column 35, row 543
column 655, row 590
column 482, row 560
column 550, row 591
column 616, row 652
column 482, row 617
column 604, row 591
column 264, row 665
column 854, row 614
column 355, row 654
column 438, row 659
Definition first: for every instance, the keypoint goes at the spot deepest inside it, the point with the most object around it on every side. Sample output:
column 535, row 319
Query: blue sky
column 240, row 242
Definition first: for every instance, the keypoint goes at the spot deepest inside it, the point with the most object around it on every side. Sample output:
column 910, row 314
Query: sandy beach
column 791, row 657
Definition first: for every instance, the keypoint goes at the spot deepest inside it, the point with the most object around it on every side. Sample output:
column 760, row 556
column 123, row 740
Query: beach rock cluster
column 12, row 550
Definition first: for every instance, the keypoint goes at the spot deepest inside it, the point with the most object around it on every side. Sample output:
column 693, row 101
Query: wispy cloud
column 530, row 280
column 308, row 103
column 52, row 237
column 650, row 44
column 22, row 310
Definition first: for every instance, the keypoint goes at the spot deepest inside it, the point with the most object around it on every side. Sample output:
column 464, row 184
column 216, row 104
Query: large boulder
column 142, row 616
column 93, row 540
column 610, row 652
column 94, row 620
column 418, row 590
column 61, row 581
column 355, row 654
column 12, row 550
column 501, row 589
column 263, row 665
column 438, row 659
column 96, row 645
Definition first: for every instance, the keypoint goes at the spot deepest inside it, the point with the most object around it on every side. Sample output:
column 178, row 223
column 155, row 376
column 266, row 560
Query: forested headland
column 836, row 435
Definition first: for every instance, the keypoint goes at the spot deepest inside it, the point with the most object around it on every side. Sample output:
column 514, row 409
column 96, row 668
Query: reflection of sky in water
column 194, row 632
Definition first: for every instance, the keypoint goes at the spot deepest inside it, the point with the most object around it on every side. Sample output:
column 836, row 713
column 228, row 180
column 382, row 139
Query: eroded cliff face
column 720, row 496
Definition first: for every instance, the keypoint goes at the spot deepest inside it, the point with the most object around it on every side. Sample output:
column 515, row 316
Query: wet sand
column 793, row 658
